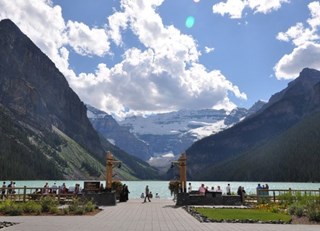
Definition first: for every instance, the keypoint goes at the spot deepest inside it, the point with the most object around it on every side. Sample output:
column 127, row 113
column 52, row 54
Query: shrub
column 74, row 205
column 47, row 204
column 89, row 206
column 10, row 208
column 65, row 211
column 292, row 209
column 32, row 207
column 299, row 211
column 313, row 212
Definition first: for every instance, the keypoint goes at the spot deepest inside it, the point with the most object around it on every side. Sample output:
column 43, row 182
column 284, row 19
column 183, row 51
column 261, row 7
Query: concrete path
column 159, row 215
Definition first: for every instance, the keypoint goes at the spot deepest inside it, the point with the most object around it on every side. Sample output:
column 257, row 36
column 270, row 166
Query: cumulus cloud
column 235, row 8
column 164, row 74
column 86, row 41
column 305, row 38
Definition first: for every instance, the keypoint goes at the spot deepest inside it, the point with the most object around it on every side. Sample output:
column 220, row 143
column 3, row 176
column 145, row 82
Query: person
column 243, row 192
column 202, row 189
column 3, row 190
column 126, row 193
column 76, row 190
column 228, row 189
column 54, row 188
column 147, row 194
column 219, row 189
column 45, row 189
column 63, row 189
column 101, row 187
column 259, row 193
column 157, row 196
column 142, row 195
column 10, row 187
column 189, row 188
column 14, row 188
column 150, row 195
column 239, row 192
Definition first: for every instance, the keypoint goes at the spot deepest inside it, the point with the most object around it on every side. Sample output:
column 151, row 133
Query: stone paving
column 158, row 215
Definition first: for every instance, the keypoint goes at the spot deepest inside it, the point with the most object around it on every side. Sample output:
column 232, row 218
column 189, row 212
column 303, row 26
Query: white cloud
column 307, row 48
column 86, row 41
column 163, row 75
column 290, row 65
column 265, row 6
column 235, row 8
column 42, row 22
column 208, row 49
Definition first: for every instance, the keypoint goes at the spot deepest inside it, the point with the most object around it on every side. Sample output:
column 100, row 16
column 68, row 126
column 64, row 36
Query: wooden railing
column 31, row 193
column 273, row 194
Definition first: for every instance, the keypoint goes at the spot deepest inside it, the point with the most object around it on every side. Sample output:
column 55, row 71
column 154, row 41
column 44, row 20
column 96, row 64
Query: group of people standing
column 62, row 189
column 204, row 189
column 7, row 190
column 124, row 194
column 263, row 190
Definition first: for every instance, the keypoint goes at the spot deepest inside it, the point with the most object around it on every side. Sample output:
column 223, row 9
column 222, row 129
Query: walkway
column 159, row 215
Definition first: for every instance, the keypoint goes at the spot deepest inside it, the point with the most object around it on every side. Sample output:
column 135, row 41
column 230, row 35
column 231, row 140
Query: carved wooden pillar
column 183, row 172
column 109, row 163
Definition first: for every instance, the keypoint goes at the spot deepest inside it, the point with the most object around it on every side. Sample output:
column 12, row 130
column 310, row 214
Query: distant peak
column 309, row 72
column 8, row 23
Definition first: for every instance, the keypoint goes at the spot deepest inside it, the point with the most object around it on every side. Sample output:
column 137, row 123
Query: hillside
column 292, row 156
column 284, row 111
column 43, row 120
column 19, row 159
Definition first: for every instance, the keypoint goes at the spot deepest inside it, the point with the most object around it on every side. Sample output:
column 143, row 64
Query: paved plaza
column 159, row 215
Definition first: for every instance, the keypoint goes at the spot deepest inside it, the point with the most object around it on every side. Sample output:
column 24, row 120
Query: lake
column 161, row 187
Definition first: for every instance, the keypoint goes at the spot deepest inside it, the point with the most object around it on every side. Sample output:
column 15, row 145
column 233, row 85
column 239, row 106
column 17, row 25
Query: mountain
column 174, row 132
column 267, row 144
column 161, row 138
column 116, row 134
column 44, row 125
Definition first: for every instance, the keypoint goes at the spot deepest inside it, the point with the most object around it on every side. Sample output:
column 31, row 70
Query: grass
column 242, row 214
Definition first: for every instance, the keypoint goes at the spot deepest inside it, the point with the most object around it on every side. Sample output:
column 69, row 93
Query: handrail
column 34, row 193
column 264, row 193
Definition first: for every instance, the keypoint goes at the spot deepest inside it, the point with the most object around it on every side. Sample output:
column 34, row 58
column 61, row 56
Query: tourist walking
column 147, row 194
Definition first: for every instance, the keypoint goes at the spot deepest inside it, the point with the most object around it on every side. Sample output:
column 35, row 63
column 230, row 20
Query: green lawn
column 242, row 214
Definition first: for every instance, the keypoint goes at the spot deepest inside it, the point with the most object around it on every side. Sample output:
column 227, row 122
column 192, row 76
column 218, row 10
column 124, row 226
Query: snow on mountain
column 173, row 122
column 159, row 138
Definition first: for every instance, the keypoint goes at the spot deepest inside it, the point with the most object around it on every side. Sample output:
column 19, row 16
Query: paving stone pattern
column 158, row 215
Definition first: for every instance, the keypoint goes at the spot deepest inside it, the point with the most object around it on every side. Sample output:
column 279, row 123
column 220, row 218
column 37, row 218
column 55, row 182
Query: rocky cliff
column 36, row 91
column 44, row 125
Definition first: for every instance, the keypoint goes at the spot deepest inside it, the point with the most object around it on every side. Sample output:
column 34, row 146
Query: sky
column 138, row 57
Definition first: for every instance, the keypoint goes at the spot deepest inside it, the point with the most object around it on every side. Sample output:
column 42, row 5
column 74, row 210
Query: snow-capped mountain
column 165, row 135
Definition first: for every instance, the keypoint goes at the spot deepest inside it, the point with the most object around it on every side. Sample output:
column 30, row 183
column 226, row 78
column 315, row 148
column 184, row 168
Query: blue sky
column 138, row 56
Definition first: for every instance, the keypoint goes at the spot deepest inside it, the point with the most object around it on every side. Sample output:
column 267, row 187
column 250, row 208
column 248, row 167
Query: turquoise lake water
column 161, row 187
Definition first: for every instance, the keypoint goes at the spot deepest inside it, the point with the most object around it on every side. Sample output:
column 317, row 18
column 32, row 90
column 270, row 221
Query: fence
column 273, row 194
column 30, row 193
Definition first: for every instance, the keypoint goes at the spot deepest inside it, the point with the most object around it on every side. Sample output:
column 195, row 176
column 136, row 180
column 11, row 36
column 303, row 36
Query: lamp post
column 110, row 163
column 182, row 163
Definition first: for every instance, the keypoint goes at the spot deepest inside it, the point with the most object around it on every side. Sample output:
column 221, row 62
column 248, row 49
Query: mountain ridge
column 284, row 110
column 38, row 102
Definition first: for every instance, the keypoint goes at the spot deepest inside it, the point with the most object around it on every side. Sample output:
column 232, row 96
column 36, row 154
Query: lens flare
column 190, row 21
